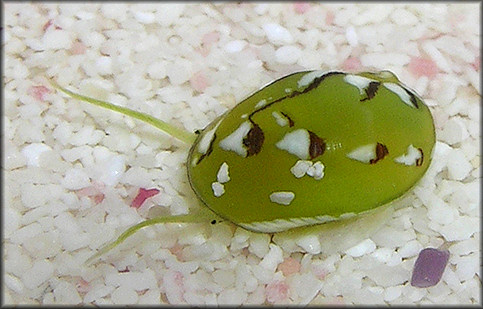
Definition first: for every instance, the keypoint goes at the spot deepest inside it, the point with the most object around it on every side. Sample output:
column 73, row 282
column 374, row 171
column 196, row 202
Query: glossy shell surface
column 312, row 147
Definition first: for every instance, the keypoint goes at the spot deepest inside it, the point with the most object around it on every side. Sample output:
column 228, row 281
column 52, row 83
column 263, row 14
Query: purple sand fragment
column 429, row 267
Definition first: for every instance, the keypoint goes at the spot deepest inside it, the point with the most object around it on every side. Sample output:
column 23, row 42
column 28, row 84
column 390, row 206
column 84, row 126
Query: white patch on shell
column 309, row 77
column 260, row 104
column 364, row 153
column 288, row 90
column 296, row 142
column 410, row 157
column 281, row 120
column 359, row 81
column 234, row 141
column 282, row 197
column 347, row 215
column 205, row 141
column 223, row 175
column 218, row 188
column 302, row 167
column 400, row 92
column 244, row 116
column 280, row 225
column 316, row 171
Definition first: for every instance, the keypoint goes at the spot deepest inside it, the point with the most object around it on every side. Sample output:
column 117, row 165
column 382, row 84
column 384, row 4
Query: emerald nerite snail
column 308, row 148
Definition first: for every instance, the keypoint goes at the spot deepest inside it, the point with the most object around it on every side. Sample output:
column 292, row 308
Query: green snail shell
column 312, row 147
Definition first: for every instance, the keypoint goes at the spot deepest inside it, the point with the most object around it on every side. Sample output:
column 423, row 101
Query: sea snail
column 308, row 148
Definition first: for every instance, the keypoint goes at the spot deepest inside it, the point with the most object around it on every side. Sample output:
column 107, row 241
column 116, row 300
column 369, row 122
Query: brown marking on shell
column 419, row 161
column 317, row 145
column 412, row 97
column 381, row 152
column 371, row 90
column 314, row 84
column 254, row 140
column 290, row 121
